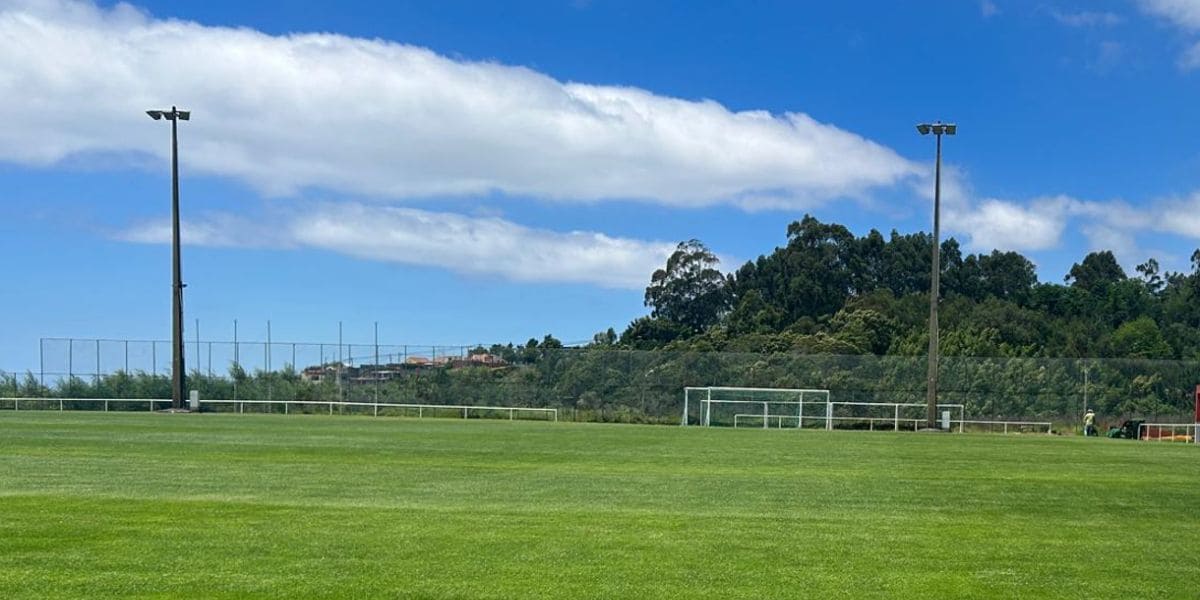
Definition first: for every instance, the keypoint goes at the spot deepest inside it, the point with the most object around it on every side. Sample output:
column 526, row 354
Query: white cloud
column 480, row 246
column 1004, row 225
column 1113, row 225
column 387, row 120
column 988, row 8
column 1183, row 13
column 1180, row 216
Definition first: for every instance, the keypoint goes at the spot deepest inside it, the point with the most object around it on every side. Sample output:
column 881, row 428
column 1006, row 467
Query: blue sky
column 474, row 172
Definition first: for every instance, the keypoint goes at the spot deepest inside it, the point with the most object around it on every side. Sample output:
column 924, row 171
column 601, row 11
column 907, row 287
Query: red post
column 1198, row 403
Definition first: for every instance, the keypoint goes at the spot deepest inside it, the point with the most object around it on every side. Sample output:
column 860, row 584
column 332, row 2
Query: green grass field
column 120, row 505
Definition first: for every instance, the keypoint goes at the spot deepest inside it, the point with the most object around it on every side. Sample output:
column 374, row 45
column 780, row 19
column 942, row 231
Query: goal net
column 754, row 407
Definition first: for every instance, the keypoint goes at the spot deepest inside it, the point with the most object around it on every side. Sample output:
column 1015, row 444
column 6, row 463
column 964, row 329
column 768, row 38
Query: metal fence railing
column 1169, row 432
column 419, row 411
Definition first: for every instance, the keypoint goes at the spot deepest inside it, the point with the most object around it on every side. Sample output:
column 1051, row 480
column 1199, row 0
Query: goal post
column 762, row 407
column 793, row 408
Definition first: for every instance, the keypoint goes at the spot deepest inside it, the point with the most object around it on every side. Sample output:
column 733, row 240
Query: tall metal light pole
column 177, row 367
column 937, row 129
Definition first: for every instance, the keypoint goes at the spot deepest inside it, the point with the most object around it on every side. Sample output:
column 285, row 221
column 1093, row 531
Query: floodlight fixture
column 937, row 128
column 170, row 115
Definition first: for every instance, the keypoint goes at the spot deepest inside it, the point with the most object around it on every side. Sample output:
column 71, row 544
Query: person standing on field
column 1089, row 423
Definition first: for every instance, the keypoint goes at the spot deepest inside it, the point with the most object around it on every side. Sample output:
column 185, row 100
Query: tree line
column 828, row 291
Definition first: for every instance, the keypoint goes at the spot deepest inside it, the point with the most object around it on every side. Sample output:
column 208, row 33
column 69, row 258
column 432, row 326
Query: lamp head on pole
column 170, row 115
column 937, row 128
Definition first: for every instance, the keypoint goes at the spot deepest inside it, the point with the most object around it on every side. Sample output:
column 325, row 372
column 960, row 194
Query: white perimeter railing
column 152, row 403
column 893, row 421
column 1048, row 425
column 1191, row 432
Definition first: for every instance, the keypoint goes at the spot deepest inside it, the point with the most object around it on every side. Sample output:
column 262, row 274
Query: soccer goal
column 754, row 407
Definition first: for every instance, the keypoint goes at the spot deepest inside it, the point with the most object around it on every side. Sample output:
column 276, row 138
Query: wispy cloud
column 1184, row 14
column 477, row 246
column 388, row 120
column 1180, row 216
column 1109, row 55
column 1190, row 59
column 988, row 8
column 217, row 230
column 1039, row 224
column 1085, row 18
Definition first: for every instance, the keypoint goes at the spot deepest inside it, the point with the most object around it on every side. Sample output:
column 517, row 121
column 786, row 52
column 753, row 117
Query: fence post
column 377, row 373
column 237, row 361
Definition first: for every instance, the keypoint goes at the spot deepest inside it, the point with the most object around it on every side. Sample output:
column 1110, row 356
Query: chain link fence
column 602, row 383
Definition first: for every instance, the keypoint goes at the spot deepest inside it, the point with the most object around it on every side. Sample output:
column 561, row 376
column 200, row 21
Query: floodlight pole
column 178, row 374
column 937, row 129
